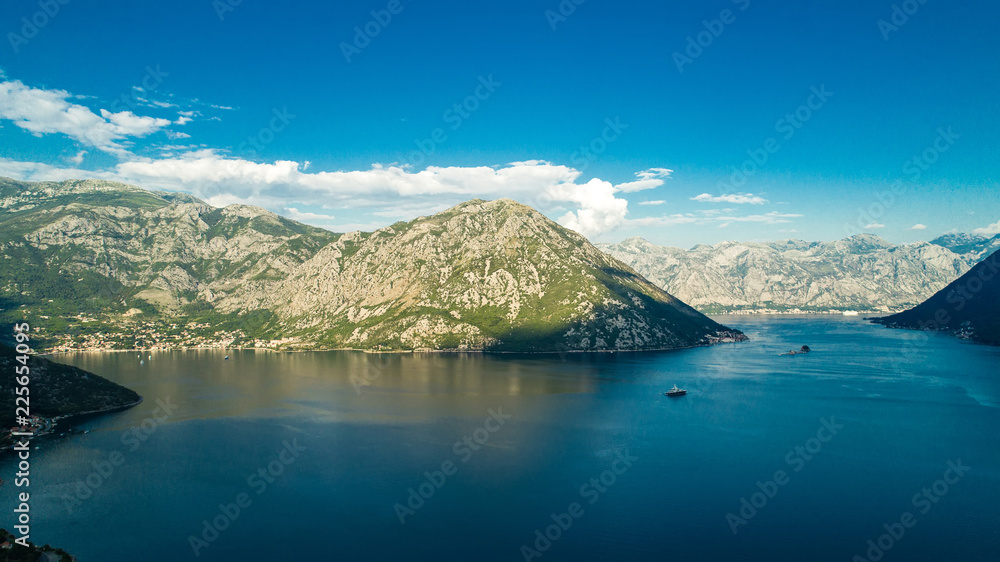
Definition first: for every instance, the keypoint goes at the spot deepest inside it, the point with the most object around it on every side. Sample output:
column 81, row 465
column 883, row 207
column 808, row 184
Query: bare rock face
column 493, row 275
column 862, row 272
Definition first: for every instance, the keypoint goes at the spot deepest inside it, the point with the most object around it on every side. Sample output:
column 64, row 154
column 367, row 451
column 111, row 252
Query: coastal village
column 94, row 334
column 37, row 426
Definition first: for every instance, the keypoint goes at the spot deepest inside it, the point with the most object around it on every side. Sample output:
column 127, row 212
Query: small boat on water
column 850, row 313
column 675, row 391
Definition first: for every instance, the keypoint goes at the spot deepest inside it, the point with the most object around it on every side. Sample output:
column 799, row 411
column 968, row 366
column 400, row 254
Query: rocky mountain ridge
column 863, row 272
column 107, row 265
column 968, row 307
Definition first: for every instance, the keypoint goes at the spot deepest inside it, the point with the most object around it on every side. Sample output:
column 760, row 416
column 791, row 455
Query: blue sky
column 840, row 124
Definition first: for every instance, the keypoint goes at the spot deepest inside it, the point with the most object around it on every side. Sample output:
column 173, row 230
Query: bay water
column 506, row 457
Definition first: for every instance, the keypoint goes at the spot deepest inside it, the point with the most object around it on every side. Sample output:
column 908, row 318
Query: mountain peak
column 248, row 211
column 866, row 239
column 483, row 275
column 490, row 206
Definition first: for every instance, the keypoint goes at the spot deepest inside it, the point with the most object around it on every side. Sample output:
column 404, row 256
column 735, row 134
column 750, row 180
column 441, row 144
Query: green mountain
column 58, row 390
column 969, row 307
column 98, row 265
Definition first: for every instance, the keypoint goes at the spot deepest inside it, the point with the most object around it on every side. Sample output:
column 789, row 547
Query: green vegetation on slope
column 100, row 265
column 968, row 307
column 58, row 390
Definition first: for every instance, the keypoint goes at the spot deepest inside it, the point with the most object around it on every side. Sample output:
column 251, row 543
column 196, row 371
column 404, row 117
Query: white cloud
column 41, row 112
column 305, row 216
column 161, row 104
column 873, row 226
column 918, row 226
column 666, row 220
column 773, row 217
column 78, row 159
column 36, row 171
column 175, row 135
column 129, row 124
column 591, row 208
column 991, row 230
column 185, row 117
column 648, row 179
column 738, row 198
column 652, row 202
column 654, row 173
column 408, row 210
column 600, row 211
column 172, row 147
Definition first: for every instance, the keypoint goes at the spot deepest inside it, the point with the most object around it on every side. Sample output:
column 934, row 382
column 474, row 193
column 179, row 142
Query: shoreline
column 393, row 351
column 859, row 314
column 55, row 421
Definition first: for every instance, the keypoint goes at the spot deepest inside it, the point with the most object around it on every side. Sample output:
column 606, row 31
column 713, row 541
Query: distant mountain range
column 863, row 272
column 103, row 265
column 969, row 307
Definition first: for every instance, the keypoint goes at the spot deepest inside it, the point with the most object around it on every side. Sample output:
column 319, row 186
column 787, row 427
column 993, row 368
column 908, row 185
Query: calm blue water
column 908, row 403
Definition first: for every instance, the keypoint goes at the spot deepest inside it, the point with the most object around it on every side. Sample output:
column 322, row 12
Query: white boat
column 850, row 313
column 675, row 391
